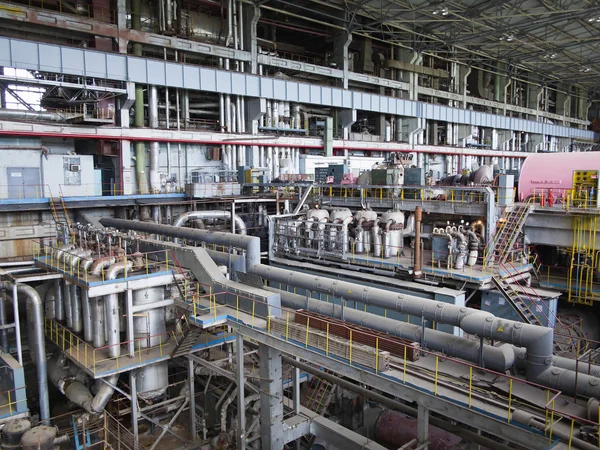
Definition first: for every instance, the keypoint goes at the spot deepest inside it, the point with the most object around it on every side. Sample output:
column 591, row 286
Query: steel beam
column 271, row 397
column 454, row 411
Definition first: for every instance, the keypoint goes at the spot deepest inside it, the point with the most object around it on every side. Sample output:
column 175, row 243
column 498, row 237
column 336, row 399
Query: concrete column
column 122, row 24
column 422, row 426
column 410, row 77
column 464, row 75
column 126, row 103
column 271, row 399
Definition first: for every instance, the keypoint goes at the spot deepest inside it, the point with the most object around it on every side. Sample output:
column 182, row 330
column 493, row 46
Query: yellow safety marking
column 500, row 329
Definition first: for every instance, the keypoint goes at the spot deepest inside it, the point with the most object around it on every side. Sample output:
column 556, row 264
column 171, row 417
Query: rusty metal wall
column 361, row 335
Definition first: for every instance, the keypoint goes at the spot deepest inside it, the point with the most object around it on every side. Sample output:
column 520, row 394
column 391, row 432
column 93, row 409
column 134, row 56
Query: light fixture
column 550, row 56
column 594, row 19
column 508, row 37
column 585, row 69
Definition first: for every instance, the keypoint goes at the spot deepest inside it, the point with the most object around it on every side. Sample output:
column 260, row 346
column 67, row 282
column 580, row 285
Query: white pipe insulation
column 240, row 226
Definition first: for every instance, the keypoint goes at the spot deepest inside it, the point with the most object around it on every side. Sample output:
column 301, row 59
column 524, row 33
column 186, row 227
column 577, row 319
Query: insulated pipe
column 250, row 244
column 499, row 359
column 409, row 227
column 36, row 310
column 394, row 404
column 462, row 249
column 224, row 407
column 417, row 262
column 345, row 238
column 77, row 392
column 536, row 339
column 67, row 306
column 59, row 307
column 16, row 114
column 87, row 315
column 98, row 332
column 76, row 318
column 530, row 420
column 101, row 265
column 154, row 146
column 240, row 226
column 111, row 308
column 376, row 237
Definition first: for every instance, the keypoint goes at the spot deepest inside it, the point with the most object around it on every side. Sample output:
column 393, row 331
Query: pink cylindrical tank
column 543, row 171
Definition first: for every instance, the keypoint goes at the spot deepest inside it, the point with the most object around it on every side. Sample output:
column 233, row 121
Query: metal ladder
column 508, row 229
column 319, row 395
column 514, row 299
column 584, row 260
column 60, row 214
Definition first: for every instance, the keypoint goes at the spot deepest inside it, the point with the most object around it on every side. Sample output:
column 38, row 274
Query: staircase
column 186, row 286
column 536, row 265
column 514, row 299
column 61, row 214
column 319, row 395
column 189, row 340
column 507, row 231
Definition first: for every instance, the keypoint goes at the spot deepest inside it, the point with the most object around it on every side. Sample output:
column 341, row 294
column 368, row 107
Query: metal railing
column 95, row 359
column 563, row 198
column 279, row 322
column 9, row 402
column 370, row 193
column 71, row 7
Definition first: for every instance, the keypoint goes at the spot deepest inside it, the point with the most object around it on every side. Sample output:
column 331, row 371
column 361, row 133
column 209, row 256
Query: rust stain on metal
column 361, row 335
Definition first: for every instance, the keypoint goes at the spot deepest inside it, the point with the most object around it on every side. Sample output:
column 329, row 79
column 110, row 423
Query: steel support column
column 239, row 372
column 134, row 403
column 422, row 427
column 271, row 398
column 191, row 376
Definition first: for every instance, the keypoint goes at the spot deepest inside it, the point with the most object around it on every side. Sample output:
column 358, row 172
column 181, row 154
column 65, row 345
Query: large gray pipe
column 537, row 340
column 250, row 244
column 76, row 391
column 240, row 226
column 67, row 304
column 76, row 323
column 35, row 308
column 499, row 359
column 15, row 114
column 111, row 310
column 98, row 329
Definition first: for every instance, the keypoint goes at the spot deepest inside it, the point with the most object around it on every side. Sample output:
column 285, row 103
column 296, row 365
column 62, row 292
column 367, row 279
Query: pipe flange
column 440, row 305
column 518, row 326
column 463, row 309
column 548, row 361
column 489, row 319
column 593, row 381
column 555, row 371
column 521, row 356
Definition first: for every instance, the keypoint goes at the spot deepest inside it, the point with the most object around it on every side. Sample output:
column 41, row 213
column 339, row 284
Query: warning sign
column 500, row 329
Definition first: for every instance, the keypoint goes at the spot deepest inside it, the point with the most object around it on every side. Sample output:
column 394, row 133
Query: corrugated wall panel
column 75, row 61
